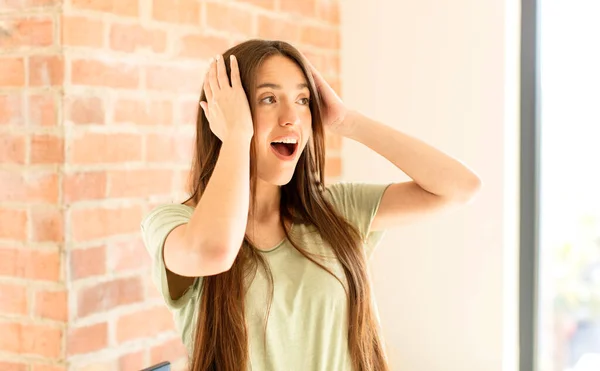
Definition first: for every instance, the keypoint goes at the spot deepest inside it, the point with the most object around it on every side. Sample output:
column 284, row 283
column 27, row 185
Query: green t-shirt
column 308, row 322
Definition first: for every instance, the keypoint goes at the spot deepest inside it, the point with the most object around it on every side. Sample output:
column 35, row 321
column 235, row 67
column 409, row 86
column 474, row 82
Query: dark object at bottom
column 163, row 366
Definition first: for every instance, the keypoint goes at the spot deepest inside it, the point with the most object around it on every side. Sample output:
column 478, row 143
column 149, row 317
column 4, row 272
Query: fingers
column 221, row 72
column 316, row 74
column 212, row 77
column 236, row 81
column 206, row 87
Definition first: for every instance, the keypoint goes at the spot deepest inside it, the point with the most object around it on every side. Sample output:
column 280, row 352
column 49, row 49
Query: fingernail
column 231, row 57
column 211, row 60
column 218, row 56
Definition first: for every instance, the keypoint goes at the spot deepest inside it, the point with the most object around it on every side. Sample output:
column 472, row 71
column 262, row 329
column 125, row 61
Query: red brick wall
column 97, row 106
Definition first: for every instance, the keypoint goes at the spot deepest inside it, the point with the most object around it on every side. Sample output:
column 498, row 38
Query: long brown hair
column 221, row 336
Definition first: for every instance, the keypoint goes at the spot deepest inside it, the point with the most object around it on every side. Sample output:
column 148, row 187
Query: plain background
column 446, row 72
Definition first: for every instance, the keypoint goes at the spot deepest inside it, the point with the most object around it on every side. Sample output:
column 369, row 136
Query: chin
column 280, row 178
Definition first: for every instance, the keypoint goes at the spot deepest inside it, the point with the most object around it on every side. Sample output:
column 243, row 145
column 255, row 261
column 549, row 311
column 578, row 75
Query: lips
column 285, row 149
column 285, row 146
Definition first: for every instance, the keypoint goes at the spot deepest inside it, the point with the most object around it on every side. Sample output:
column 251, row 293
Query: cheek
column 307, row 127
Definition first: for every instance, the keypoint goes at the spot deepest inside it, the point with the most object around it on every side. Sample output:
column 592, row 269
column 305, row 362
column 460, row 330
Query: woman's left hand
column 335, row 114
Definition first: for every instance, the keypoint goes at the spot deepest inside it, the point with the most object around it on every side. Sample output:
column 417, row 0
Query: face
column 282, row 119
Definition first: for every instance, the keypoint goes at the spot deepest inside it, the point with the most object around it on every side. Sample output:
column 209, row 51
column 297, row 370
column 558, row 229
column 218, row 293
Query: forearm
column 433, row 170
column 218, row 223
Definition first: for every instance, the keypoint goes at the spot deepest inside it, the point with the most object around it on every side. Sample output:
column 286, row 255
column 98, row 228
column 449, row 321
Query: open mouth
column 284, row 149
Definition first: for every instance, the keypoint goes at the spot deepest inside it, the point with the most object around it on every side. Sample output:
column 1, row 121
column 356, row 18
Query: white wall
column 445, row 71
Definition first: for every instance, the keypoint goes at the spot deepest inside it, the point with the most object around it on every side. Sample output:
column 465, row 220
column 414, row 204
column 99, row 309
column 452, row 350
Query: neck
column 267, row 200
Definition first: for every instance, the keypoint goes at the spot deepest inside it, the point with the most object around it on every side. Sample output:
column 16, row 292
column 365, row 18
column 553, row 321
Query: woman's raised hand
column 226, row 106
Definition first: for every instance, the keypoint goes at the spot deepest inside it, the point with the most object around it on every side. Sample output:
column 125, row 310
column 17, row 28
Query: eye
column 268, row 100
column 305, row 100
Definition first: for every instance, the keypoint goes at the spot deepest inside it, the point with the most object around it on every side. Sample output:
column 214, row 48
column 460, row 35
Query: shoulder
column 356, row 201
column 165, row 213
column 346, row 193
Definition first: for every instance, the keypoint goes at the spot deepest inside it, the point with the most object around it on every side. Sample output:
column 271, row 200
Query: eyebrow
column 276, row 86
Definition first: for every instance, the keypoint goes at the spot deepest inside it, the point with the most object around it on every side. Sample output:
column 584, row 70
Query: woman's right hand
column 226, row 108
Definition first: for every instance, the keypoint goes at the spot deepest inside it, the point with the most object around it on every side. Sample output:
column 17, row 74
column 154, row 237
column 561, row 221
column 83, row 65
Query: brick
column 143, row 112
column 47, row 149
column 82, row 31
column 98, row 366
column 87, row 339
column 44, row 367
column 47, row 224
column 12, row 72
column 84, row 186
column 98, row 73
column 132, row 361
column 321, row 37
column 30, row 264
column 46, row 70
column 316, row 59
column 13, row 299
column 266, row 4
column 145, row 323
column 202, row 46
column 30, row 339
column 94, row 148
column 26, row 5
column 88, row 262
column 182, row 181
column 305, row 8
column 14, row 224
column 150, row 288
column 176, row 11
column 130, row 38
column 169, row 148
column 188, row 112
column 11, row 107
column 13, row 148
column 126, row 8
column 127, row 256
column 175, row 79
column 329, row 11
column 106, row 296
column 51, row 305
column 84, row 110
column 171, row 349
column 278, row 29
column 31, row 186
column 10, row 366
column 133, row 183
column 228, row 18
column 28, row 32
column 43, row 109
column 95, row 223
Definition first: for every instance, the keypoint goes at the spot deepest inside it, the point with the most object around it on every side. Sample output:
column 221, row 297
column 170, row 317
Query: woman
column 264, row 267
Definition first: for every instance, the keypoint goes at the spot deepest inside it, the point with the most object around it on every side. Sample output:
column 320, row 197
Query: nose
column 288, row 115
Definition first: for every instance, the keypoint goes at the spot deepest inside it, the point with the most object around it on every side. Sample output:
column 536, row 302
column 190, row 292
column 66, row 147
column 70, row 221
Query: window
column 560, row 192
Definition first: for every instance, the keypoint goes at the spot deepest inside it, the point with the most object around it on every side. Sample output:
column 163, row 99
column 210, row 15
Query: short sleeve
column 155, row 228
column 358, row 203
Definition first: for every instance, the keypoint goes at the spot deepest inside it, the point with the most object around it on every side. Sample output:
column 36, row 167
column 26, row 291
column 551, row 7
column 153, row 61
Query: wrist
column 349, row 127
column 239, row 138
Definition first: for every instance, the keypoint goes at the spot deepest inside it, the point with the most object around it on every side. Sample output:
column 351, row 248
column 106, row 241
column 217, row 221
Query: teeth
column 286, row 140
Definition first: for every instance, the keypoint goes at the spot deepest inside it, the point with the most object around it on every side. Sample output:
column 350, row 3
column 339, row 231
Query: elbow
column 216, row 259
column 469, row 190
column 221, row 260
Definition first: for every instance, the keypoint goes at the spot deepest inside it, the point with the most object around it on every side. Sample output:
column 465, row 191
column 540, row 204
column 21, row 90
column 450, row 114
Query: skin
column 209, row 243
column 281, row 107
